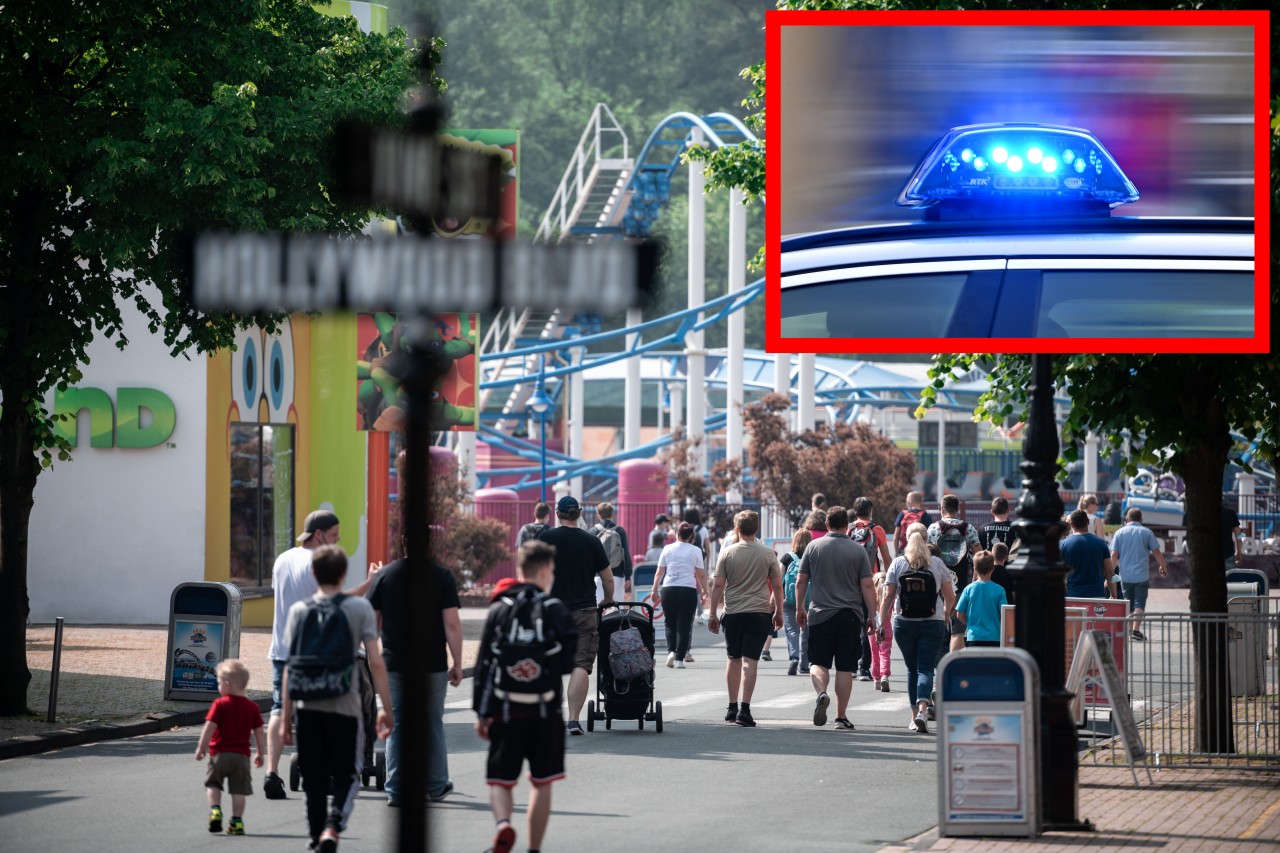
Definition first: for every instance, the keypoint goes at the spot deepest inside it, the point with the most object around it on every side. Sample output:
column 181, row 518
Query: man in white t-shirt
column 291, row 582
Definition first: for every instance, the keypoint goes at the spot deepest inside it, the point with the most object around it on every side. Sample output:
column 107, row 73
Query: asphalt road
column 783, row 785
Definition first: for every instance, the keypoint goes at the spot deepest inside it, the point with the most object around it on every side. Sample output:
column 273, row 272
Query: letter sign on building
column 118, row 426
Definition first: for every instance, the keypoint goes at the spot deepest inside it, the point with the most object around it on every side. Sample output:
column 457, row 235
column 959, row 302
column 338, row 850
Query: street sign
column 271, row 273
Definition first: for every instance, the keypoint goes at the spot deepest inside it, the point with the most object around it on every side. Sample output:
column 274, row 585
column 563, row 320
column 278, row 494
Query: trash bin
column 988, row 743
column 1246, row 643
column 1250, row 576
column 204, row 630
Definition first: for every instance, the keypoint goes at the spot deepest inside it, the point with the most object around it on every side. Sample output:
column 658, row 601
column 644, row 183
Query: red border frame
column 1260, row 22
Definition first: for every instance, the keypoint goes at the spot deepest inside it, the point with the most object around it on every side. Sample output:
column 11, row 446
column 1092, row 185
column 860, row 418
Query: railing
column 1160, row 677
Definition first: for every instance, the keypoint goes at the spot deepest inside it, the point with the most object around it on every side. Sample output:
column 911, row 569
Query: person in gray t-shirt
column 836, row 572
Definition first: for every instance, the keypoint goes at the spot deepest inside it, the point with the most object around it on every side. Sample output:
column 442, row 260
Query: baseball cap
column 661, row 519
column 566, row 505
column 321, row 519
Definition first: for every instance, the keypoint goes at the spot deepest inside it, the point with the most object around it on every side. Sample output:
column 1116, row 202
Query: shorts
column 1137, row 594
column 232, row 766
column 538, row 739
column 838, row 638
column 277, row 678
column 957, row 627
column 587, row 623
column 745, row 633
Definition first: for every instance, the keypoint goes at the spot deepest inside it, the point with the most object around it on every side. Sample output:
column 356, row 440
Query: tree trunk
column 1202, row 472
column 19, row 468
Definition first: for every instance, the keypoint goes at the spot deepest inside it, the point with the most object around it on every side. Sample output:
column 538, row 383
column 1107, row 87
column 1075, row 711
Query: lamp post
column 539, row 402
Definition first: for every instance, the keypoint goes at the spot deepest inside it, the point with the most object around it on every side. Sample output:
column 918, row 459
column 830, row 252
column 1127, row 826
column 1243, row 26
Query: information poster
column 197, row 651
column 1107, row 615
column 984, row 768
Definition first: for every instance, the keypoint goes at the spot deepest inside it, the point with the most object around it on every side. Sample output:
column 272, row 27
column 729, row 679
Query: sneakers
column 688, row 658
column 843, row 724
column 679, row 664
column 884, row 684
column 504, row 840
column 436, row 798
column 820, row 709
column 215, row 819
column 766, row 656
column 863, row 675
column 328, row 841
column 1138, row 635
column 236, row 827
column 731, row 715
column 792, row 667
column 573, row 727
column 671, row 659
column 273, row 787
column 920, row 724
column 744, row 718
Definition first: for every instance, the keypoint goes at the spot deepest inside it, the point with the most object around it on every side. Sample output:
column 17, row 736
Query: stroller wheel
column 658, row 716
column 295, row 774
column 380, row 768
column 591, row 715
column 608, row 722
column 640, row 723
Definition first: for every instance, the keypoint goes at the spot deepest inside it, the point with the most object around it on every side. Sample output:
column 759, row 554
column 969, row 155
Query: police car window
column 900, row 306
column 1145, row 304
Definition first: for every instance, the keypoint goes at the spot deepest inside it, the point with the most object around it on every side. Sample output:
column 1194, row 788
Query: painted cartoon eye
column 278, row 373
column 246, row 373
column 436, row 396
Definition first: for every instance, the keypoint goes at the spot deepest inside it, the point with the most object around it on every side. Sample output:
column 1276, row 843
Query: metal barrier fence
column 1160, row 676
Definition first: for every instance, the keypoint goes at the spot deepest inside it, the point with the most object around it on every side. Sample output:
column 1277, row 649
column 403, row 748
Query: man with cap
column 579, row 558
column 292, row 581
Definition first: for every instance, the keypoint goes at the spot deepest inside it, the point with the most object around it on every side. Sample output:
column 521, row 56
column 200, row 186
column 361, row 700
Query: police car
column 1018, row 241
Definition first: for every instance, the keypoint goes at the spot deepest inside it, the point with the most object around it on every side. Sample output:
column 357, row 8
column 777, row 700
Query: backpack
column 612, row 543
column 918, row 593
column 909, row 517
column 629, row 657
column 953, row 546
column 531, row 531
column 866, row 537
column 321, row 656
column 789, row 578
column 520, row 649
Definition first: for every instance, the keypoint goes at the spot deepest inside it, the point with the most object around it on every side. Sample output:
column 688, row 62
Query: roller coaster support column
column 695, row 349
column 577, row 450
column 631, row 401
column 805, row 411
column 782, row 373
column 1090, row 483
column 737, row 328
column 465, row 447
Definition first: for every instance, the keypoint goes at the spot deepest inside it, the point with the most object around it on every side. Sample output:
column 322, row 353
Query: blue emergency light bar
column 1016, row 169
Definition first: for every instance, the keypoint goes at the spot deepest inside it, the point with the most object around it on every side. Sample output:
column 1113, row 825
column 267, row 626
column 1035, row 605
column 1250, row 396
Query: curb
column 159, row 721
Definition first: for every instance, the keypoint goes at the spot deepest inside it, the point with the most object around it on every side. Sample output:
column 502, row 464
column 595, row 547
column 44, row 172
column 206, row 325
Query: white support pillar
column 677, row 405
column 1091, row 463
column 942, row 454
column 577, row 387
column 734, row 437
column 782, row 381
column 466, row 450
column 805, row 418
column 631, row 397
column 695, row 347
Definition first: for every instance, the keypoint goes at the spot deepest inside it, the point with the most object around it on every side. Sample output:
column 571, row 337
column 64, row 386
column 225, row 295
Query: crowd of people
column 840, row 595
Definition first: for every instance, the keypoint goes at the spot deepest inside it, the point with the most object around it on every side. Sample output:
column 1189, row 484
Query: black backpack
column 321, row 655
column 866, row 537
column 520, row 650
column 918, row 593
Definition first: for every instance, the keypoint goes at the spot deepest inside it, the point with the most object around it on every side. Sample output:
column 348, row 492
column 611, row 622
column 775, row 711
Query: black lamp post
column 1039, row 581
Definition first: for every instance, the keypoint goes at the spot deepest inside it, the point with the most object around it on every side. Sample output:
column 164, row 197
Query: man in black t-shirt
column 999, row 530
column 579, row 558
column 389, row 595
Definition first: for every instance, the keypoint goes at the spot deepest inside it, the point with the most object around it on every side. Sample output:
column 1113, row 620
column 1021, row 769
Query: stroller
column 374, row 763
column 624, row 699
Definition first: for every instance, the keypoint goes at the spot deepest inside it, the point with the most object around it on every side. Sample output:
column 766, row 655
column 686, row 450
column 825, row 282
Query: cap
column 321, row 519
column 661, row 519
column 567, row 504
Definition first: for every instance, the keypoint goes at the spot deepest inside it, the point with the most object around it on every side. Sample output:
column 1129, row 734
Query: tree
column 130, row 124
column 843, row 461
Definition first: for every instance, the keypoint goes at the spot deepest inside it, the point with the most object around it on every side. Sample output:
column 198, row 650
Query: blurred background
column 862, row 105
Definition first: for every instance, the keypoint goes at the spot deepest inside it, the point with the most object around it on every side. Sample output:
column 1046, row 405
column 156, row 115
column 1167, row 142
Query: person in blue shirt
column 1089, row 559
column 980, row 603
column 1131, row 548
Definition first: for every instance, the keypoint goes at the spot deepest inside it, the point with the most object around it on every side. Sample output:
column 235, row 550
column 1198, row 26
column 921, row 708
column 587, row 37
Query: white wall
column 114, row 530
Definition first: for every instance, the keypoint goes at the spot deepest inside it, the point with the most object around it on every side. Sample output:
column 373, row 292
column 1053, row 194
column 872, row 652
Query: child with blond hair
column 225, row 739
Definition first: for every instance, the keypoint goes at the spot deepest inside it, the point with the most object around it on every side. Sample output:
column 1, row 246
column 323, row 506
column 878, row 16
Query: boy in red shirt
column 225, row 739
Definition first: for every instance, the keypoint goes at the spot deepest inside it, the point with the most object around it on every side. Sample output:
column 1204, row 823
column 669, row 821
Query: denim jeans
column 797, row 640
column 678, row 604
column 921, row 643
column 437, row 749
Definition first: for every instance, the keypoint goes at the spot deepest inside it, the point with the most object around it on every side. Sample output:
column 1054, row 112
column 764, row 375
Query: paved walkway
column 112, row 686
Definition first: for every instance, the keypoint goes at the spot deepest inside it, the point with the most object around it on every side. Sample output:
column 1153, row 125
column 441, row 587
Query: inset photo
column 1017, row 182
